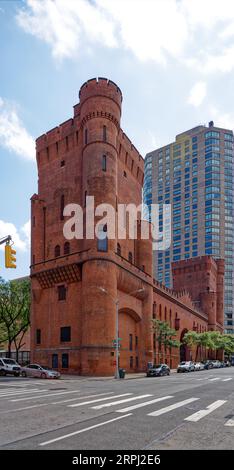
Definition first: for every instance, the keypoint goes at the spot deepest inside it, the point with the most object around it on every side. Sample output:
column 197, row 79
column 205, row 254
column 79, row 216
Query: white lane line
column 43, row 396
column 140, row 405
column 83, row 430
column 202, row 413
column 13, row 394
column 230, row 422
column 53, row 403
column 227, row 380
column 79, row 398
column 172, row 407
column 216, row 378
column 100, row 399
column 118, row 402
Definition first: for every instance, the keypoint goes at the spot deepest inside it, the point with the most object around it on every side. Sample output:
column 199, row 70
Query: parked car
column 216, row 364
column 158, row 370
column 199, row 366
column 208, row 365
column 186, row 366
column 43, row 372
column 9, row 366
column 227, row 364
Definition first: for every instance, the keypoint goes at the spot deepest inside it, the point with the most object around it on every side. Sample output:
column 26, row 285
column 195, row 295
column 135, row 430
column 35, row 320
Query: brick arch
column 132, row 313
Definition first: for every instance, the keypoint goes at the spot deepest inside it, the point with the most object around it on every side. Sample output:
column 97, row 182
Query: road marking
column 172, row 407
column 83, row 430
column 230, row 422
column 98, row 407
column 13, row 394
column 202, row 413
column 43, row 396
column 227, row 380
column 216, row 378
column 89, row 396
column 140, row 405
column 100, row 399
column 52, row 403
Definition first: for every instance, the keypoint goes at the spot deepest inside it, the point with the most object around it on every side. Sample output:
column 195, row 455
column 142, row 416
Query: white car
column 9, row 366
column 44, row 372
column 199, row 366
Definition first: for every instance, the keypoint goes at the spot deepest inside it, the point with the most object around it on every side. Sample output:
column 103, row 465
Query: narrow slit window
column 104, row 163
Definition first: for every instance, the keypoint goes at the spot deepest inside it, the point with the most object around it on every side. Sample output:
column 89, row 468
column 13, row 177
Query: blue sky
column 173, row 60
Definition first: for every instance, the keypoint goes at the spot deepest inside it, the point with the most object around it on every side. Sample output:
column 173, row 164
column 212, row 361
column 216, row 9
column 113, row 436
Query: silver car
column 43, row 372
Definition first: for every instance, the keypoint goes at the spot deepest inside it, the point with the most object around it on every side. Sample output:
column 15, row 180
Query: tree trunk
column 9, row 349
column 196, row 353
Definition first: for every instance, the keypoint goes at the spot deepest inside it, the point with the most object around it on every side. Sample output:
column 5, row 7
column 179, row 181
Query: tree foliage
column 164, row 334
column 14, row 312
column 213, row 340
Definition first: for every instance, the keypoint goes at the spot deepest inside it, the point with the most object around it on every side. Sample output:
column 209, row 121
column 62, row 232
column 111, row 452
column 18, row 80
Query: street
column 182, row 411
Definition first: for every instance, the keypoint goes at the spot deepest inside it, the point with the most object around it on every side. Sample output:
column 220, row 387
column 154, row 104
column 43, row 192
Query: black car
column 158, row 370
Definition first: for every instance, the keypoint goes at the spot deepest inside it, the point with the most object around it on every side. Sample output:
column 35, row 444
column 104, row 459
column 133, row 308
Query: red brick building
column 75, row 283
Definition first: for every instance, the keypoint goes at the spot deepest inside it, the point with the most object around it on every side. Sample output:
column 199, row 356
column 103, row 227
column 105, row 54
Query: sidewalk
column 138, row 375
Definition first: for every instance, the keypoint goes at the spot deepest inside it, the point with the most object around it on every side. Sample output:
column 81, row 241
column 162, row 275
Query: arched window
column 130, row 256
column 57, row 251
column 160, row 312
column 118, row 249
column 104, row 133
column 154, row 309
column 62, row 202
column 165, row 312
column 66, row 249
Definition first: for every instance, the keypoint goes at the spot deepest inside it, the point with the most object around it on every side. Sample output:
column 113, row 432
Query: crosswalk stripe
column 214, row 379
column 100, row 399
column 202, row 413
column 83, row 430
column 227, row 380
column 230, row 422
column 52, row 403
column 172, row 407
column 140, row 405
column 105, row 405
column 89, row 396
column 23, row 392
column 43, row 396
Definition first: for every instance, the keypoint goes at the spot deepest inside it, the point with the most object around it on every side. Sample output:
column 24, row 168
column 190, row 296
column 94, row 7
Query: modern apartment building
column 195, row 175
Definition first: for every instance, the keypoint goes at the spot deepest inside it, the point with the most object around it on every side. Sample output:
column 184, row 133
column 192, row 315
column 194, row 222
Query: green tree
column 14, row 312
column 205, row 340
column 164, row 335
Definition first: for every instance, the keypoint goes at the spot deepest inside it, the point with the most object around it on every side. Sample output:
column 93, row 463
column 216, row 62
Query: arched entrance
column 184, row 349
column 130, row 341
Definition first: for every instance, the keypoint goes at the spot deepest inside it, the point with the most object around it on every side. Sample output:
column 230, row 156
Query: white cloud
column 197, row 94
column 26, row 230
column 13, row 134
column 20, row 243
column 194, row 32
column 221, row 119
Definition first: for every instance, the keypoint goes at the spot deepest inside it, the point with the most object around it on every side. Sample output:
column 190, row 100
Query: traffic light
column 10, row 258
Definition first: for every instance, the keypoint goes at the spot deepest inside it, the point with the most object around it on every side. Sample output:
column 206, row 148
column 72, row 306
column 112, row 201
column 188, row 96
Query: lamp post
column 116, row 302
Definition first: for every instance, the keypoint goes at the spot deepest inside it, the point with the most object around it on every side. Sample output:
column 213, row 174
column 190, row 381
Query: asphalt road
column 183, row 411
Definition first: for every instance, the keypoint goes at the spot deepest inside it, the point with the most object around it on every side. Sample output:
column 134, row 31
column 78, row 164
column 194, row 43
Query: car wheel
column 2, row 373
column 24, row 374
column 43, row 375
column 168, row 373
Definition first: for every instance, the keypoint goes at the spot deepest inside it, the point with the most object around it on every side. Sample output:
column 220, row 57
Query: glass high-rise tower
column 195, row 175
